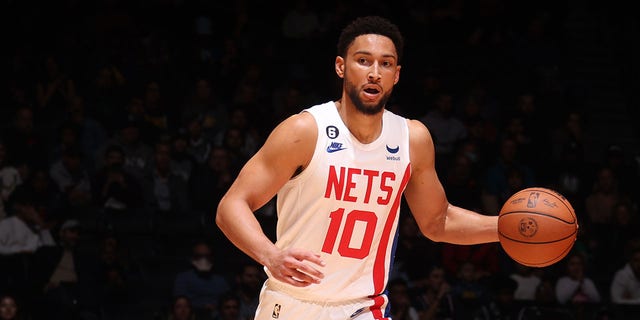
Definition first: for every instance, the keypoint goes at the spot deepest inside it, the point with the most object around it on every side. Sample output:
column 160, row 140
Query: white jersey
column 345, row 205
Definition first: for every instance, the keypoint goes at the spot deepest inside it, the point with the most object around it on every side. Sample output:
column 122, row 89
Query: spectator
column 71, row 177
column 575, row 286
column 106, row 94
column 138, row 155
column 91, row 133
column 119, row 279
column 447, row 128
column 182, row 162
column 23, row 231
column 10, row 309
column 506, row 176
column 54, row 90
column 468, row 291
column 410, row 241
column 198, row 145
column 527, row 282
column 9, row 179
column 625, row 286
column 166, row 191
column 25, row 140
column 400, row 302
column 203, row 101
column 599, row 203
column 181, row 310
column 484, row 257
column 502, row 304
column 249, row 280
column 66, row 277
column 229, row 308
column 155, row 109
column 240, row 136
column 434, row 300
column 211, row 180
column 201, row 284
column 114, row 189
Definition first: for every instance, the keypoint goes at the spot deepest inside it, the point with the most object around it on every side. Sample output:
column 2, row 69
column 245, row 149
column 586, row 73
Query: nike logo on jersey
column 335, row 146
column 393, row 150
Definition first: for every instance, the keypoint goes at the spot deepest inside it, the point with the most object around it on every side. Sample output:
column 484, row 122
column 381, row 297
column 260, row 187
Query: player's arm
column 287, row 149
column 437, row 218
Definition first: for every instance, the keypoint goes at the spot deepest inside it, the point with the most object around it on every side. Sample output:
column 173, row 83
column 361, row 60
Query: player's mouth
column 371, row 92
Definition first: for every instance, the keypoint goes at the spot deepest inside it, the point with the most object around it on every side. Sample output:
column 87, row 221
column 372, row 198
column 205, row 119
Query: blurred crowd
column 126, row 121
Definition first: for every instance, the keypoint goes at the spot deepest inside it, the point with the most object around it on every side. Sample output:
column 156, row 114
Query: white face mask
column 202, row 264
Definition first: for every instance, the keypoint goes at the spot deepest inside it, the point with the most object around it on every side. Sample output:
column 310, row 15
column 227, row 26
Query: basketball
column 537, row 227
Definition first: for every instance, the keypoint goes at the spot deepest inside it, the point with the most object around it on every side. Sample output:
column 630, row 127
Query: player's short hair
column 370, row 25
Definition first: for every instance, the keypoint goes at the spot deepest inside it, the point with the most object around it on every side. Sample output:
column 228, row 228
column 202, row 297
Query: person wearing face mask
column 200, row 283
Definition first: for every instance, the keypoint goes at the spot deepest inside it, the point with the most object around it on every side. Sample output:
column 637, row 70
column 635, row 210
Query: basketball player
column 339, row 170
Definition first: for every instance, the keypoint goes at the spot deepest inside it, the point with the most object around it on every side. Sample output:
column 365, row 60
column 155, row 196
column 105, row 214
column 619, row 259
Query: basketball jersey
column 345, row 205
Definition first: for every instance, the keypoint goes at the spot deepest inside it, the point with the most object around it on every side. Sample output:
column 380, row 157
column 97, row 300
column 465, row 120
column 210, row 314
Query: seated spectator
column 527, row 280
column 23, row 231
column 71, row 177
column 434, row 300
column 502, row 304
column 9, row 178
column 166, row 191
column 575, row 287
column 10, row 309
column 505, row 176
column 625, row 286
column 400, row 302
column 181, row 310
column 120, row 278
column 468, row 292
column 114, row 189
column 229, row 308
column 65, row 276
column 249, row 280
column 200, row 283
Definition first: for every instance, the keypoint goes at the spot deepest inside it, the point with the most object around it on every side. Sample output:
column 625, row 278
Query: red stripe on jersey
column 376, row 308
column 379, row 271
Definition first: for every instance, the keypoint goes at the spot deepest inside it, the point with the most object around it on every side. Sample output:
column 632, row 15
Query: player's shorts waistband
column 314, row 299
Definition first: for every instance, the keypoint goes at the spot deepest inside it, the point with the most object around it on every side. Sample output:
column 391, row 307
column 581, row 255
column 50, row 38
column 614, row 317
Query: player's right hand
column 292, row 266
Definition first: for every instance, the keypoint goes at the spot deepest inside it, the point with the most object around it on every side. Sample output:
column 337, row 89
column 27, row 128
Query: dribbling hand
column 292, row 266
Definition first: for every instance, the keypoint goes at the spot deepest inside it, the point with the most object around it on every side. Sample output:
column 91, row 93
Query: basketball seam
column 541, row 242
column 540, row 214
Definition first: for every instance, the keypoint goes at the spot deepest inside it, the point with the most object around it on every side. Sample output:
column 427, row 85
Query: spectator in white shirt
column 528, row 280
column 575, row 287
column 625, row 286
column 23, row 231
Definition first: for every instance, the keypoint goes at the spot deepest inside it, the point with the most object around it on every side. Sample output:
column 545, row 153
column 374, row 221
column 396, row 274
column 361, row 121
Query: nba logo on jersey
column 276, row 311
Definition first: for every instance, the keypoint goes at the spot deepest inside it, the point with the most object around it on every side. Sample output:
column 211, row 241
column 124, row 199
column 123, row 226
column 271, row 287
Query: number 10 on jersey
column 368, row 218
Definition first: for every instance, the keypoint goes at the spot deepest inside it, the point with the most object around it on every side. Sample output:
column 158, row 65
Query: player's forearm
column 238, row 223
column 462, row 226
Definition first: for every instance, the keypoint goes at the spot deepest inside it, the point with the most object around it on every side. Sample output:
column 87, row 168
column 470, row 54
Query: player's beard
column 368, row 109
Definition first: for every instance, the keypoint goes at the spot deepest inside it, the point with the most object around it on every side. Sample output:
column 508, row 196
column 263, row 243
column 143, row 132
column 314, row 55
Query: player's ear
column 339, row 66
column 396, row 78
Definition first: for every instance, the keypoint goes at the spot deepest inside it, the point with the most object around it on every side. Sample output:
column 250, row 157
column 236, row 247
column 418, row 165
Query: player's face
column 370, row 70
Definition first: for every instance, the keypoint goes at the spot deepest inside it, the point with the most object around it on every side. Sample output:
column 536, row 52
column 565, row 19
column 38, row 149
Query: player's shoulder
column 418, row 132
column 295, row 129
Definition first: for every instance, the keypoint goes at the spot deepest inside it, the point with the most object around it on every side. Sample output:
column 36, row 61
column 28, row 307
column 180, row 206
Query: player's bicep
column 424, row 193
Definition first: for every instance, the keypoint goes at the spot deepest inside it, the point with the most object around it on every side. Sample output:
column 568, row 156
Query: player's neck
column 365, row 128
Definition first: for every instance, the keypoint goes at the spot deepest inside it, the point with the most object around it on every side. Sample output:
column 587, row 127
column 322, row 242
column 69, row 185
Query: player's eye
column 363, row 61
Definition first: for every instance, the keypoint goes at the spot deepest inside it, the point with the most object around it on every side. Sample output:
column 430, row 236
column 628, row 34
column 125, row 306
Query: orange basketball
column 537, row 227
